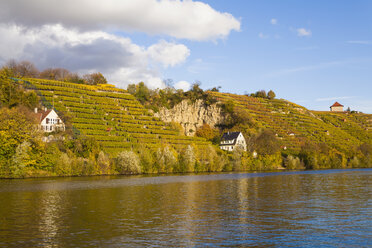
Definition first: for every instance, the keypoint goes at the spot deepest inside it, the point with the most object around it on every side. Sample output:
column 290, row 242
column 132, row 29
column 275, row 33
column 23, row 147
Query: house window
column 47, row 120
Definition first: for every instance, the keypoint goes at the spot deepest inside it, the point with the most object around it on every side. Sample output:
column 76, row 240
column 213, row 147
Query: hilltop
column 296, row 126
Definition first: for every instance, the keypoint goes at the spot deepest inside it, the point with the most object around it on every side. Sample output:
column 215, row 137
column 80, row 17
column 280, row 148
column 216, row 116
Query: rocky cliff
column 192, row 115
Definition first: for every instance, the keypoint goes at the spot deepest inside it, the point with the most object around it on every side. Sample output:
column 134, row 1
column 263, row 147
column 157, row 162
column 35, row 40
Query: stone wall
column 192, row 115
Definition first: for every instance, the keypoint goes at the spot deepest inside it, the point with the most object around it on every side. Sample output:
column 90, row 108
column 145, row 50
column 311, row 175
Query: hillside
column 111, row 115
column 295, row 125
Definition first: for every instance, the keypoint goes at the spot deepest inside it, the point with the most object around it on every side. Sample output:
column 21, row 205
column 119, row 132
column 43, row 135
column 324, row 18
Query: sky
column 309, row 52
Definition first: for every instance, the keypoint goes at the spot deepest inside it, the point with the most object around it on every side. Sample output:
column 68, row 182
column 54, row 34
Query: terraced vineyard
column 111, row 115
column 295, row 125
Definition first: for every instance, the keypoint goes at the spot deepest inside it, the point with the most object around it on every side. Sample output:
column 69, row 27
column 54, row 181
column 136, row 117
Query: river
column 326, row 208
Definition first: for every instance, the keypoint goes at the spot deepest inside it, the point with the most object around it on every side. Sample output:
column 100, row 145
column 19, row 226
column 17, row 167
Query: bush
column 187, row 160
column 127, row 162
column 63, row 165
column 292, row 163
column 166, row 159
column 103, row 163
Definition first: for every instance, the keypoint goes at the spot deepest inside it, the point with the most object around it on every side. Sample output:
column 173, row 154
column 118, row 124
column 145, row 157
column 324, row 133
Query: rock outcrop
column 192, row 115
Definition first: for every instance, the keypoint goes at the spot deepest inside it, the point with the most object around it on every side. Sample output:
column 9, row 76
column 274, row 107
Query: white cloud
column 302, row 32
column 263, row 36
column 118, row 58
column 184, row 85
column 180, row 19
column 274, row 21
column 168, row 54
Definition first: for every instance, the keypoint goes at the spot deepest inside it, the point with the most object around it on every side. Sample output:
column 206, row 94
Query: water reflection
column 287, row 209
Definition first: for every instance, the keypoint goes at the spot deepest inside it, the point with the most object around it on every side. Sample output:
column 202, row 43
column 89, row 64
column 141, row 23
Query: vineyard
column 295, row 126
column 111, row 115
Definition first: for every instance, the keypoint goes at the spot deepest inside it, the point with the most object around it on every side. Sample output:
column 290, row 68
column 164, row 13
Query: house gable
column 231, row 140
column 50, row 121
column 337, row 107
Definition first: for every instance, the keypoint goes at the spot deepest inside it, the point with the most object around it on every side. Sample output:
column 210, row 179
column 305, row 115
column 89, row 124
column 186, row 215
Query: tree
column 187, row 159
column 12, row 94
column 166, row 158
column 206, row 132
column 60, row 74
column 266, row 143
column 22, row 69
column 63, row 165
column 95, row 78
column 16, row 126
column 127, row 162
column 103, row 162
column 21, row 159
column 271, row 95
column 261, row 93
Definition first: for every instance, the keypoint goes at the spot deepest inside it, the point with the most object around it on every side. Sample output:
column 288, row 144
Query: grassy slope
column 111, row 115
column 339, row 130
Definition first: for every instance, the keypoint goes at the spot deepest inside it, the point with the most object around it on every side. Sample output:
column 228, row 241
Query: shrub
column 63, row 165
column 292, row 163
column 103, row 163
column 187, row 160
column 127, row 162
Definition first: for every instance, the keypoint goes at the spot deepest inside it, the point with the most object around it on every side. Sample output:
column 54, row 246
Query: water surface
column 329, row 208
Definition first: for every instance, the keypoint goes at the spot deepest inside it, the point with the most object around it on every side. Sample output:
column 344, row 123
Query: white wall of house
column 52, row 122
column 240, row 141
column 337, row 109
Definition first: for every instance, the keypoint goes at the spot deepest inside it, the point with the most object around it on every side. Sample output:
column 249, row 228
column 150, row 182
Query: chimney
column 35, row 110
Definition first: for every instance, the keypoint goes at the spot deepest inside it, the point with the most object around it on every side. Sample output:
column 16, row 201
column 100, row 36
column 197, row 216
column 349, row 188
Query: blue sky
column 334, row 63
column 310, row 52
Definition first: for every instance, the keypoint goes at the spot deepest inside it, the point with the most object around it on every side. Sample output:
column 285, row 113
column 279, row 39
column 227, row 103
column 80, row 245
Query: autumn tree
column 60, row 74
column 127, row 162
column 205, row 131
column 266, row 143
column 95, row 78
column 261, row 93
column 22, row 69
column 271, row 95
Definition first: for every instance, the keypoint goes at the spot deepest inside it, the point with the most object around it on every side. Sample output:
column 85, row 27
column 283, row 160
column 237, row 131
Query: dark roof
column 230, row 135
column 336, row 104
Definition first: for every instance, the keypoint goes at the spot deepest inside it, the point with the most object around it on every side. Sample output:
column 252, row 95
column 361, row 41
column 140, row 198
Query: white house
column 336, row 107
column 232, row 140
column 49, row 121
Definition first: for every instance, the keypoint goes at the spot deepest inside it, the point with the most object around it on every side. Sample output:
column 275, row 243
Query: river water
column 330, row 208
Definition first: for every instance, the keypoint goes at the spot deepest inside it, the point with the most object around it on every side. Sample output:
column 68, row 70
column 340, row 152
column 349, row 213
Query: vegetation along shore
column 98, row 129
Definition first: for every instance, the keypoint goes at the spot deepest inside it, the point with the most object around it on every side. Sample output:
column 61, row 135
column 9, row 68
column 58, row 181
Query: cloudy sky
column 310, row 52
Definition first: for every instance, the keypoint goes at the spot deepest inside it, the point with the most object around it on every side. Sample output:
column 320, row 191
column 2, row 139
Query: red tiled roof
column 42, row 115
column 336, row 104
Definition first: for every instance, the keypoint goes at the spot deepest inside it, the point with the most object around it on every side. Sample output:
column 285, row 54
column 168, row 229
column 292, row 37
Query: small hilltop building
column 49, row 121
column 336, row 107
column 231, row 140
